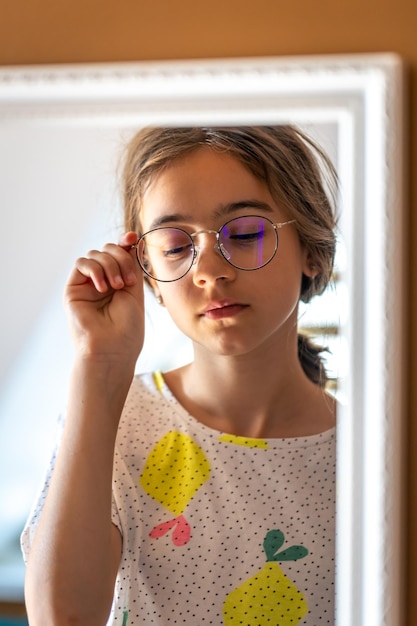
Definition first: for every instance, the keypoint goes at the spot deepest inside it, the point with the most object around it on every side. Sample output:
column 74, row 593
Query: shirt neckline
column 156, row 382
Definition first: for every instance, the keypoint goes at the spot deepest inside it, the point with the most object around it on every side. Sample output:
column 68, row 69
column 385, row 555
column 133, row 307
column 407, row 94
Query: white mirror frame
column 363, row 96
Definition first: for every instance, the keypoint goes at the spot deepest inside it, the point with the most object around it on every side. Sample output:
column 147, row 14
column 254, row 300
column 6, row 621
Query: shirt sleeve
column 32, row 522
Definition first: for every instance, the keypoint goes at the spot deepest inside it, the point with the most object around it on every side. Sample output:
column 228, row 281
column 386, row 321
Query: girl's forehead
column 205, row 195
column 204, row 173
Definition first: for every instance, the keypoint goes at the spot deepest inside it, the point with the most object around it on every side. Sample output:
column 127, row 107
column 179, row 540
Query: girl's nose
column 210, row 264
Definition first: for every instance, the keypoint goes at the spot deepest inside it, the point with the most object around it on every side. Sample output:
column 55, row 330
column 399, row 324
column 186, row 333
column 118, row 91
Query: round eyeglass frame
column 219, row 246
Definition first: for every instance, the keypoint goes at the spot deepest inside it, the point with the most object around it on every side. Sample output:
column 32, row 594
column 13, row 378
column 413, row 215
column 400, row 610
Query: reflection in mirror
column 62, row 132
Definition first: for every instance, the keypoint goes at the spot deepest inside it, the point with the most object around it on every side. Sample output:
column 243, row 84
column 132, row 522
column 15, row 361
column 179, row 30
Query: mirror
column 62, row 129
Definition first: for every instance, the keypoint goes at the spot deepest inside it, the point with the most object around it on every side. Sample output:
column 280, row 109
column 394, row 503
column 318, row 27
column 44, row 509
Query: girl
column 204, row 495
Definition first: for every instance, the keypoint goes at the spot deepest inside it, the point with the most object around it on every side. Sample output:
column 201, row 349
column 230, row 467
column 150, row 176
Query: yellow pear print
column 175, row 470
column 268, row 598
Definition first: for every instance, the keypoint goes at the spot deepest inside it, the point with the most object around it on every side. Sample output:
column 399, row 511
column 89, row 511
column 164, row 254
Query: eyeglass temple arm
column 281, row 224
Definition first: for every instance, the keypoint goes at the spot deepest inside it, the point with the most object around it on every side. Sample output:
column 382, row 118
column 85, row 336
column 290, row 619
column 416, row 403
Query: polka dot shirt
column 217, row 529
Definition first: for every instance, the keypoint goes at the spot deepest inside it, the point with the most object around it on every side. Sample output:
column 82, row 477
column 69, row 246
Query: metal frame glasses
column 248, row 243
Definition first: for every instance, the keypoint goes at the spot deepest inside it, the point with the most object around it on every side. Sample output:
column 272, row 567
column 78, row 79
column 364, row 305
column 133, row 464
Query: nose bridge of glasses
column 203, row 232
column 218, row 246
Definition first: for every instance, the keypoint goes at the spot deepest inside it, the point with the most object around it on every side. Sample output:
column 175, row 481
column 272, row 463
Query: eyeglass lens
column 247, row 243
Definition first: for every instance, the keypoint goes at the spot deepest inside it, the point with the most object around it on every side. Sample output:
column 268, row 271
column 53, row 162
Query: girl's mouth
column 221, row 310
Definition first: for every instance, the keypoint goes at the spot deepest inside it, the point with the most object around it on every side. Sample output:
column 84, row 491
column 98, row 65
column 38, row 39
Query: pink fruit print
column 181, row 530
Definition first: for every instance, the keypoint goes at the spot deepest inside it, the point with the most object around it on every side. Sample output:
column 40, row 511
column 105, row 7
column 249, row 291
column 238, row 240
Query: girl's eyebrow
column 223, row 210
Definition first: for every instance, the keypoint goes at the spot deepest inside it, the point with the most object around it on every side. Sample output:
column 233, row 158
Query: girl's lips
column 220, row 310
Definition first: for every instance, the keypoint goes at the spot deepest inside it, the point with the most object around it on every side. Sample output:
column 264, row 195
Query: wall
column 60, row 31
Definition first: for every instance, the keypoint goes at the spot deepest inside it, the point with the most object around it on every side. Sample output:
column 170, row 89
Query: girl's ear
column 154, row 286
column 159, row 299
column 310, row 269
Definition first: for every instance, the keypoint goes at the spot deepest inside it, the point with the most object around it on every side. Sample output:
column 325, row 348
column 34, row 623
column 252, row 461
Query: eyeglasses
column 248, row 243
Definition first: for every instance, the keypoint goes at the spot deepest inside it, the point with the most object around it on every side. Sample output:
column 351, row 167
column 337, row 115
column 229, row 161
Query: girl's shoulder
column 149, row 408
column 147, row 386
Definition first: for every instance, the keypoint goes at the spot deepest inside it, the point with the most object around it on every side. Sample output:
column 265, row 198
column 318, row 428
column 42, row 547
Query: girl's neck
column 252, row 397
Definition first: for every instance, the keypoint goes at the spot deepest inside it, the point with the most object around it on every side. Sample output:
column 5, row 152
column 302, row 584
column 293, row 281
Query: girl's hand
column 105, row 302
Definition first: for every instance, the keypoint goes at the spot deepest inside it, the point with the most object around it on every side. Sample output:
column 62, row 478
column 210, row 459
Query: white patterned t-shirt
column 217, row 529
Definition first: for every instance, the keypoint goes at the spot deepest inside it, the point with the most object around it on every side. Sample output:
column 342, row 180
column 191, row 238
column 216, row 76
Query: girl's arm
column 76, row 550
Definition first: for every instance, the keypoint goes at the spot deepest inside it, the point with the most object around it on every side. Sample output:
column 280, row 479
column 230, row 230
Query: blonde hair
column 298, row 173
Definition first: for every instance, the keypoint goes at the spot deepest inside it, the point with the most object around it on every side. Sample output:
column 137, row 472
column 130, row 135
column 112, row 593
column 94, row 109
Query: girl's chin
column 225, row 347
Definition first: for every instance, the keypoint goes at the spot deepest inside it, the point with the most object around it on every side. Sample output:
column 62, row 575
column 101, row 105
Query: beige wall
column 64, row 31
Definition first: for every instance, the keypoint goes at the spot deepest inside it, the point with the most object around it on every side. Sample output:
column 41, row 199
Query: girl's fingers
column 127, row 240
column 90, row 269
column 104, row 298
column 113, row 267
column 119, row 264
column 105, row 269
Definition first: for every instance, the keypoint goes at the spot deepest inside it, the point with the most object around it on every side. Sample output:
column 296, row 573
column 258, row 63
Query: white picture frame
column 361, row 97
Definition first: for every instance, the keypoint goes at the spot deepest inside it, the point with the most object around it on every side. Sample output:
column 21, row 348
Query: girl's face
column 223, row 309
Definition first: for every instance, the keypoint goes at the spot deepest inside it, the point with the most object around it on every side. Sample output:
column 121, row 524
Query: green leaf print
column 274, row 540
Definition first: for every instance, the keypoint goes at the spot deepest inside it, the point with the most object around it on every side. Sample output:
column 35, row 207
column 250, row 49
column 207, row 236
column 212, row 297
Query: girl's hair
column 299, row 175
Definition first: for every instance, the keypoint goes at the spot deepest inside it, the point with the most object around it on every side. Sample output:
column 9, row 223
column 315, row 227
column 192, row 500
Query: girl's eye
column 247, row 237
column 169, row 243
column 177, row 251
